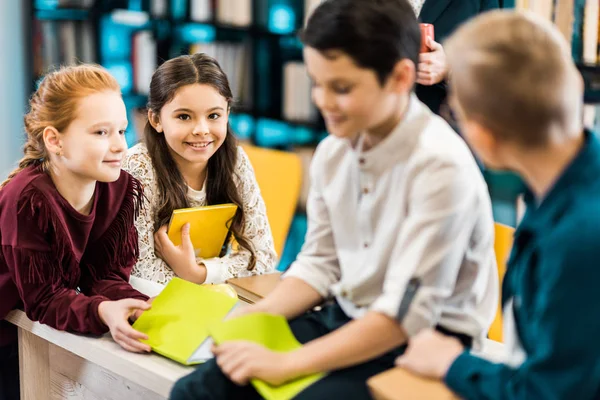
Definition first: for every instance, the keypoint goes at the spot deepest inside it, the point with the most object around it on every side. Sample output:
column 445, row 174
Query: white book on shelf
column 234, row 12
column 590, row 31
column 297, row 104
column 130, row 17
column 159, row 8
column 68, row 42
column 229, row 61
column 543, row 8
column 241, row 71
column 589, row 116
column 521, row 5
column 201, row 10
column 303, row 90
column 223, row 10
column 86, row 42
column 288, row 91
column 565, row 18
column 242, row 13
column 309, row 7
column 50, row 50
column 247, row 68
column 144, row 62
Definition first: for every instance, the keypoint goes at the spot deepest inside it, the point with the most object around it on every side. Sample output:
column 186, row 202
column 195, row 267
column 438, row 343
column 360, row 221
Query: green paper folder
column 177, row 324
column 273, row 332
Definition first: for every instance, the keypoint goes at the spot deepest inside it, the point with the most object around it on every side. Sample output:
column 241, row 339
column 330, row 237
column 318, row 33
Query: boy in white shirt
column 397, row 208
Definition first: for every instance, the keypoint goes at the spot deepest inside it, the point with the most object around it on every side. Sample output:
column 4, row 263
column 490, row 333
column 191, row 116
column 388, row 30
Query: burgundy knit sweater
column 58, row 264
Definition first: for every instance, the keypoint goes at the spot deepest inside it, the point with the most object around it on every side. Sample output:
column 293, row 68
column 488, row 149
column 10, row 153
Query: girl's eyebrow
column 107, row 123
column 184, row 110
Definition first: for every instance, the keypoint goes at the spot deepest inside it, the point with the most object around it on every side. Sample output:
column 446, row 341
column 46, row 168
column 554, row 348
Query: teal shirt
column 553, row 277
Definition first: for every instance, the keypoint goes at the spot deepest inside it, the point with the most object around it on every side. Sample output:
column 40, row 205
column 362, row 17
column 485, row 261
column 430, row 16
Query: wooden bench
column 399, row 384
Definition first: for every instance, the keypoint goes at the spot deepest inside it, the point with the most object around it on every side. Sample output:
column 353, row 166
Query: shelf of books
column 253, row 40
column 255, row 43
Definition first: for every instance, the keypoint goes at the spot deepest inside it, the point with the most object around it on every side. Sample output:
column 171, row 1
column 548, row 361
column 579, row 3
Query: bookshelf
column 255, row 43
column 253, row 40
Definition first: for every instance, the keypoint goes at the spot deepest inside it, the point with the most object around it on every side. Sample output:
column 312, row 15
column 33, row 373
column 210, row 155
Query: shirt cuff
column 96, row 327
column 216, row 270
column 413, row 322
column 463, row 373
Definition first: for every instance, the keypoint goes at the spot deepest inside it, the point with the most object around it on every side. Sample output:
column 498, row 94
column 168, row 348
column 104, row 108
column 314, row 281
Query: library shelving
column 255, row 43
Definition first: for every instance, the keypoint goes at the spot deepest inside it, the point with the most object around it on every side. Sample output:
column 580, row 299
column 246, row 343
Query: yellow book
column 177, row 324
column 273, row 332
column 209, row 226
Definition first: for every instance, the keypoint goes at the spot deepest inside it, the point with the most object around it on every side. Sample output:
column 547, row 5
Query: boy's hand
column 430, row 354
column 115, row 315
column 182, row 258
column 433, row 66
column 241, row 361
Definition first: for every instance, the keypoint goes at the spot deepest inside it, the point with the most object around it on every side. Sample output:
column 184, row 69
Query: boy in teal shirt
column 519, row 98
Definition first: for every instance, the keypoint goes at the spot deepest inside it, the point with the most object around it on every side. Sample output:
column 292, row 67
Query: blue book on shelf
column 577, row 40
column 242, row 125
column 279, row 16
column 179, row 9
column 196, row 33
column 115, row 40
column 123, row 73
column 272, row 133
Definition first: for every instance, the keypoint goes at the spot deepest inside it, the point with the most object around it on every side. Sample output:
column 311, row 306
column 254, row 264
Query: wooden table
column 61, row 365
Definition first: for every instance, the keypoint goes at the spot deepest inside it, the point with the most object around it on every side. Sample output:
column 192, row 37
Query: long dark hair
column 220, row 186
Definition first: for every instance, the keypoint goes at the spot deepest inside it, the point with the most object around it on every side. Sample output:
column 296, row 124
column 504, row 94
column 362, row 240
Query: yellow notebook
column 209, row 226
column 273, row 332
column 177, row 324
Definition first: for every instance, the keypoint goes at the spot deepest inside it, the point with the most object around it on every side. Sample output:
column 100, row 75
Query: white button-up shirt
column 415, row 205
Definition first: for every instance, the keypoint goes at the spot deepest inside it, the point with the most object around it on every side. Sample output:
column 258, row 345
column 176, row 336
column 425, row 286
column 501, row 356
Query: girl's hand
column 137, row 313
column 182, row 258
column 115, row 315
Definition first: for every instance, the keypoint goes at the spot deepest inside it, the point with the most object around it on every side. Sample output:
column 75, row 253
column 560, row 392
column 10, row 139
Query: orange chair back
column 279, row 177
column 503, row 241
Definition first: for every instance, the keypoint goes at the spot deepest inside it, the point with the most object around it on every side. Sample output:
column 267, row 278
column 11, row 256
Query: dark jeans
column 208, row 382
column 9, row 372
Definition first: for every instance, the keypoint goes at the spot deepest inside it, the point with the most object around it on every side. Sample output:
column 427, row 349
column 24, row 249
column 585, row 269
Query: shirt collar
column 582, row 171
column 400, row 143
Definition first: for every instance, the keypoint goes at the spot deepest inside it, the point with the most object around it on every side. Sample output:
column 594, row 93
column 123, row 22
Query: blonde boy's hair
column 513, row 73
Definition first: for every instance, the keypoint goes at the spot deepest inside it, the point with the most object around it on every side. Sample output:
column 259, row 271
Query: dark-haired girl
column 190, row 158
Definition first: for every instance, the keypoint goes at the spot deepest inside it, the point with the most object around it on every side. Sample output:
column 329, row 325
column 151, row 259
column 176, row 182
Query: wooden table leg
column 34, row 366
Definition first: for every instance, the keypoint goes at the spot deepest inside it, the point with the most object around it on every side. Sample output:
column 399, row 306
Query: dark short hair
column 376, row 34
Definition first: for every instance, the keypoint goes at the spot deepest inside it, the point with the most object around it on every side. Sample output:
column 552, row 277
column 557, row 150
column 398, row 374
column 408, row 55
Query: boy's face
column 350, row 98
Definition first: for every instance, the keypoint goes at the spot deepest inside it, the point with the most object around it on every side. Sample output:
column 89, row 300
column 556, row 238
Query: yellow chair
column 279, row 177
column 502, row 245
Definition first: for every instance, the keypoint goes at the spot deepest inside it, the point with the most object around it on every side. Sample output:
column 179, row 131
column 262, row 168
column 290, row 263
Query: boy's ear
column 403, row 76
column 481, row 139
column 52, row 140
column 154, row 120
